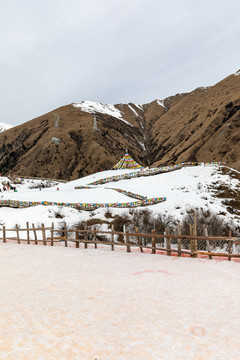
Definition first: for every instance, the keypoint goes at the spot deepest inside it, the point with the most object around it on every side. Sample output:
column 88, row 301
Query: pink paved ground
column 67, row 303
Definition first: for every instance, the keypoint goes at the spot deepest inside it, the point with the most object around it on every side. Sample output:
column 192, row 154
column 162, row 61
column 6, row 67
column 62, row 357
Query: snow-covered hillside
column 185, row 189
column 4, row 127
column 112, row 110
column 95, row 107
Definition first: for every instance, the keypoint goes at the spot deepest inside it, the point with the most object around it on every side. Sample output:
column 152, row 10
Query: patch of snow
column 142, row 124
column 161, row 103
column 96, row 107
column 134, row 111
column 142, row 145
column 235, row 170
column 203, row 88
column 139, row 106
column 4, row 126
column 237, row 73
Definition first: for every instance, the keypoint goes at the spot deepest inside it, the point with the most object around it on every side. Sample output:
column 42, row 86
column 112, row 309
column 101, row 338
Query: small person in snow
column 57, row 188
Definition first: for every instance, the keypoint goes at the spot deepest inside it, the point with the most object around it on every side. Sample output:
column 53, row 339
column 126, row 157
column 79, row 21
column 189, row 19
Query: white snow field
column 184, row 189
column 95, row 304
column 95, row 107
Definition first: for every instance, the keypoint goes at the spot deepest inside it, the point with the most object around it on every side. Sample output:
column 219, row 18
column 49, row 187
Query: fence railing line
column 172, row 244
column 29, row 229
column 137, row 234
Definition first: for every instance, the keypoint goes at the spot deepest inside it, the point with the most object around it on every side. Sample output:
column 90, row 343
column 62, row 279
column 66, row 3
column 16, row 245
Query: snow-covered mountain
column 4, row 126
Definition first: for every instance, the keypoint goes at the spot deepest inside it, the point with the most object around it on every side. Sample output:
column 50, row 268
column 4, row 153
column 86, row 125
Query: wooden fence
column 172, row 243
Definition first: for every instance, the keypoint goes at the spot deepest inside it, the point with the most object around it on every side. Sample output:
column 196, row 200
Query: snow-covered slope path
column 185, row 189
column 67, row 303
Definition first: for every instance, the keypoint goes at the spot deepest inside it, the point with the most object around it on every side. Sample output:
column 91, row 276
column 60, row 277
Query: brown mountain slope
column 70, row 150
column 67, row 143
column 203, row 126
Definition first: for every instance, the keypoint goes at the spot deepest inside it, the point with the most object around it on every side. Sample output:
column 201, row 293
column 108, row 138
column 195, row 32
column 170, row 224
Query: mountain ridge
column 85, row 137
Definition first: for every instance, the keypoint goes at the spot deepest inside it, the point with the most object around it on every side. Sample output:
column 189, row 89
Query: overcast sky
column 55, row 52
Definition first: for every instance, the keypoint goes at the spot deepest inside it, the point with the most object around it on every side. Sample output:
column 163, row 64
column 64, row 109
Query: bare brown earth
column 203, row 125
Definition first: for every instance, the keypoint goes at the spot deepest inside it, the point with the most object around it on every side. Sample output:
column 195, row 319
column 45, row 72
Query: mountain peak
column 96, row 107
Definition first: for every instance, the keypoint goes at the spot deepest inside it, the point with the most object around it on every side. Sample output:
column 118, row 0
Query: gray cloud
column 56, row 52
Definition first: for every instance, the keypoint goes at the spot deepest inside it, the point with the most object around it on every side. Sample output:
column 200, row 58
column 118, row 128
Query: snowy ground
column 185, row 189
column 88, row 304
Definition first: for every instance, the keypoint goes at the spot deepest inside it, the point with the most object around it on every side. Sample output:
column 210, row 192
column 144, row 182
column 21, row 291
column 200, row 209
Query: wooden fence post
column 168, row 243
column 66, row 234
column 95, row 238
column 139, row 240
column 77, row 239
column 207, row 242
column 28, row 237
column 153, row 242
column 191, row 240
column 4, row 234
column 17, row 231
column 229, row 245
column 52, row 231
column 44, row 235
column 195, row 244
column 164, row 240
column 179, row 241
column 127, row 241
column 124, row 236
column 35, row 234
column 85, row 236
column 112, row 246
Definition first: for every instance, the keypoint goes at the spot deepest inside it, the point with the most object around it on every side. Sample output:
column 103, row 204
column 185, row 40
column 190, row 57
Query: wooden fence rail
column 87, row 236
